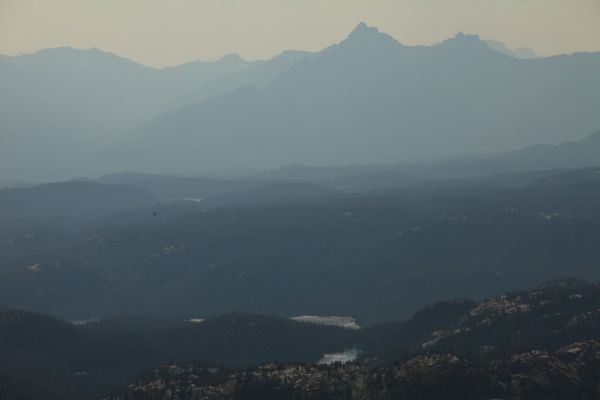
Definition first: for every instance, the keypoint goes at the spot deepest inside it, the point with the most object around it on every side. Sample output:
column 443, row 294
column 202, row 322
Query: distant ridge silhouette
column 370, row 99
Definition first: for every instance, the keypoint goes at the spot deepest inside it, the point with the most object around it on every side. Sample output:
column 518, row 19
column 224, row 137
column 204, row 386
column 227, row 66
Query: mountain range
column 530, row 163
column 61, row 106
column 368, row 99
column 371, row 221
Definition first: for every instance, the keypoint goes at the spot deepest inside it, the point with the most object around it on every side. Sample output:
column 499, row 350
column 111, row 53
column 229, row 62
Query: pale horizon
column 208, row 30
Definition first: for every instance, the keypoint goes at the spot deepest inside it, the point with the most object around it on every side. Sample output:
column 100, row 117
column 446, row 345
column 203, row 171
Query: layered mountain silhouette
column 367, row 99
column 371, row 99
column 519, row 52
column 576, row 154
column 513, row 168
column 60, row 105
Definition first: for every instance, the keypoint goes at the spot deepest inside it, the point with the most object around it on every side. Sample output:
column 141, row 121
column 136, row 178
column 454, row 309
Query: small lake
column 342, row 322
column 345, row 356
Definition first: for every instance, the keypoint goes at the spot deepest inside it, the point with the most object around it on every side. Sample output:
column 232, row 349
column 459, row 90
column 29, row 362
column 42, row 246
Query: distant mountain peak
column 68, row 50
column 520, row 52
column 232, row 57
column 65, row 55
column 466, row 41
column 363, row 29
column 364, row 34
column 59, row 49
column 462, row 37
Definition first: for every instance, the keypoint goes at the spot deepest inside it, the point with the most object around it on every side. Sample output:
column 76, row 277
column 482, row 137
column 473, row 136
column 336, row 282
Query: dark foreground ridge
column 572, row 372
column 535, row 344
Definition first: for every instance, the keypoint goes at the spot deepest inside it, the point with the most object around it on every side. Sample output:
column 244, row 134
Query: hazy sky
column 167, row 32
